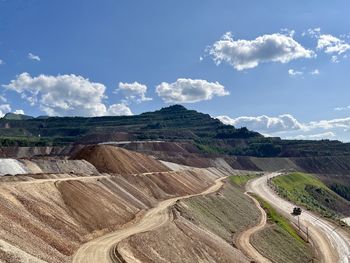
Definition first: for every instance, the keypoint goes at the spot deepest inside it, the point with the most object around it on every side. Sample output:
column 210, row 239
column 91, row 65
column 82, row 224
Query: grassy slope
column 279, row 241
column 279, row 220
column 226, row 214
column 278, row 245
column 231, row 212
column 241, row 180
column 308, row 191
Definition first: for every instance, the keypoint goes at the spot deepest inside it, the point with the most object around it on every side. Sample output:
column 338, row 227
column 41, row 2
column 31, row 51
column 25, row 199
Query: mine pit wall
column 50, row 219
column 317, row 165
column 185, row 154
column 31, row 152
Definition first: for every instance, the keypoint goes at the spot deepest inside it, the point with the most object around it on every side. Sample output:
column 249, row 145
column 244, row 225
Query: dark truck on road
column 296, row 211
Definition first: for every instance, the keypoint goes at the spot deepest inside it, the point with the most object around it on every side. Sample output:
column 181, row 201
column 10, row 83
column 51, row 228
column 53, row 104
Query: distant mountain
column 42, row 117
column 14, row 116
column 174, row 123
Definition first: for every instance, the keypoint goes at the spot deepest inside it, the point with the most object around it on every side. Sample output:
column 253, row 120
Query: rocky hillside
column 111, row 159
column 175, row 123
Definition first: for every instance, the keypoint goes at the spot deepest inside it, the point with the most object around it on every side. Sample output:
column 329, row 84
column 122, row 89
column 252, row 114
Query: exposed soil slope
column 30, row 152
column 12, row 166
column 48, row 219
column 111, row 159
column 171, row 147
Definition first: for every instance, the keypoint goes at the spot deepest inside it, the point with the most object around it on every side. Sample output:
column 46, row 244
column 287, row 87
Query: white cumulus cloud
column 31, row 56
column 331, row 124
column 133, row 92
column 265, row 124
column 19, row 112
column 289, row 127
column 120, row 109
column 331, row 44
column 246, row 54
column 63, row 95
column 190, row 90
column 4, row 108
column 318, row 136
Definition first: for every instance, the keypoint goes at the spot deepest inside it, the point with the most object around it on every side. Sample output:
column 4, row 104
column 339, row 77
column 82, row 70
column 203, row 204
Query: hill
column 110, row 159
column 175, row 123
column 308, row 191
column 14, row 116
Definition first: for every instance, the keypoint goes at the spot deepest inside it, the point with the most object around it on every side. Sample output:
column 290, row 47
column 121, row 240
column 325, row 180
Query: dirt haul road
column 101, row 249
column 243, row 239
column 332, row 243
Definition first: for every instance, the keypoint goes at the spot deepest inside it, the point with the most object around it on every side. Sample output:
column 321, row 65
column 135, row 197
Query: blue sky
column 112, row 57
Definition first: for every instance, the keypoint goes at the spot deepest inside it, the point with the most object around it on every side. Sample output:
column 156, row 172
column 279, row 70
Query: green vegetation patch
column 278, row 219
column 280, row 241
column 308, row 191
column 242, row 179
column 278, row 245
column 225, row 214
column 337, row 183
column 342, row 190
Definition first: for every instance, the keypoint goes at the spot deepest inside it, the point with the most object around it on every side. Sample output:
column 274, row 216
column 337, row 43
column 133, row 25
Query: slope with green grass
column 306, row 190
column 278, row 245
column 226, row 214
column 279, row 241
column 241, row 180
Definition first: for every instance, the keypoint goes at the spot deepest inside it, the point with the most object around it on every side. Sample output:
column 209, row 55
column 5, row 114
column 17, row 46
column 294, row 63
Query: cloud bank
column 289, row 127
column 265, row 124
column 65, row 95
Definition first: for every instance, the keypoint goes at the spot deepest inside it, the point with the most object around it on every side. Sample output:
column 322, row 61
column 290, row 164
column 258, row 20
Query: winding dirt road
column 99, row 250
column 332, row 243
column 243, row 239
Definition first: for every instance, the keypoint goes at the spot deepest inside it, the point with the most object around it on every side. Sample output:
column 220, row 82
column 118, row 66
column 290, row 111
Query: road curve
column 243, row 239
column 99, row 250
column 332, row 243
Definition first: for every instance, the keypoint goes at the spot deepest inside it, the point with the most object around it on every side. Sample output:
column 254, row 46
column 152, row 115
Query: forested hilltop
column 174, row 123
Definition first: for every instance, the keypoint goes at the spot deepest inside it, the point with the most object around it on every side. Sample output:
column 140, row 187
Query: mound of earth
column 57, row 166
column 111, row 159
column 48, row 219
column 11, row 166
